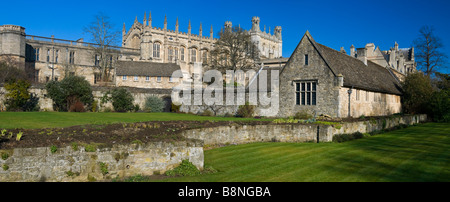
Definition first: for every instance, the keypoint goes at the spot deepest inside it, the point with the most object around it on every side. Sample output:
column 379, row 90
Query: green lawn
column 417, row 153
column 63, row 119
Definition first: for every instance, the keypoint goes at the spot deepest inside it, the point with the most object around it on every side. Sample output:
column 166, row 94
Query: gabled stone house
column 320, row 80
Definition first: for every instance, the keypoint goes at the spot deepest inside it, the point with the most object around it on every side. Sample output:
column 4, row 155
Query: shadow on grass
column 417, row 154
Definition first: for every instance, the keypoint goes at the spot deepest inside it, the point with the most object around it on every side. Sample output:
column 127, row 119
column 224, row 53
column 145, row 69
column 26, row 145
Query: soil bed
column 109, row 134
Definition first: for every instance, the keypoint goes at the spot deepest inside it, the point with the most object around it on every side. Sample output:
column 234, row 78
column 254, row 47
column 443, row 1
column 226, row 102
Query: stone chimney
column 361, row 54
column 352, row 51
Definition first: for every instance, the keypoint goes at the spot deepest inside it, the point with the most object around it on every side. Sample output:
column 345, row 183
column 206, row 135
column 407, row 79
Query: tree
column 417, row 92
column 103, row 33
column 122, row 100
column 234, row 50
column 10, row 71
column 429, row 55
column 67, row 92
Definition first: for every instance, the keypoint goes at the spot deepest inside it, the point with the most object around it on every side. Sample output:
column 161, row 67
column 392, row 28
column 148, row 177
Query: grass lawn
column 10, row 120
column 417, row 153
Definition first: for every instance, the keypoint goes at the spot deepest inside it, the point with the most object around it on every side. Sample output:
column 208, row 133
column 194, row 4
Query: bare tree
column 429, row 56
column 105, row 36
column 234, row 50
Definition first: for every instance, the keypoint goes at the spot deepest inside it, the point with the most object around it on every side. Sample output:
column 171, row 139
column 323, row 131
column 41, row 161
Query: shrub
column 122, row 100
column 440, row 106
column 347, row 137
column 417, row 91
column 69, row 91
column 17, row 94
column 186, row 168
column 245, row 111
column 77, row 107
column 94, row 107
column 154, row 104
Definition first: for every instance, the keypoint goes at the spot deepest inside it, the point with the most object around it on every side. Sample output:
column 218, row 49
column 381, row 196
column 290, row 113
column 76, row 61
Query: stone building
column 320, row 80
column 49, row 58
column 399, row 60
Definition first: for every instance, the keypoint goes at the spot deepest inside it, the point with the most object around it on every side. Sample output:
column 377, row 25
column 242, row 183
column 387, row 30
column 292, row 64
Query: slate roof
column 139, row 68
column 370, row 77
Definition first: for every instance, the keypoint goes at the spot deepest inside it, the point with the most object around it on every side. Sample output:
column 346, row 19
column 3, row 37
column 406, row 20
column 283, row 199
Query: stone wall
column 241, row 134
column 66, row 164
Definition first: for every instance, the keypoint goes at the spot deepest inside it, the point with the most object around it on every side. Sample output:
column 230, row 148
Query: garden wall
column 66, row 164
column 241, row 134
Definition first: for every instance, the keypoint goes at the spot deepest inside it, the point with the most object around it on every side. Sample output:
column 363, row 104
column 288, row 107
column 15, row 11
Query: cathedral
column 146, row 59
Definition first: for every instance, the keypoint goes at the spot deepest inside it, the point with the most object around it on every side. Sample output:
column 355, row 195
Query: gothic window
column 56, row 56
column 305, row 93
column 96, row 60
column 158, row 79
column 135, row 42
column 306, row 59
column 48, row 55
column 124, row 77
column 37, row 54
column 176, row 53
column 147, row 78
column 156, row 50
column 193, row 54
column 72, row 57
column 205, row 57
column 182, row 53
column 170, row 54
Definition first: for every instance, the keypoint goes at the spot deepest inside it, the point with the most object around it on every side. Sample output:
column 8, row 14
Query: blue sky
column 331, row 23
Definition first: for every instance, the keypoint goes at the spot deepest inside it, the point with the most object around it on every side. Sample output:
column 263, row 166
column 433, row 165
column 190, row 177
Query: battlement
column 12, row 28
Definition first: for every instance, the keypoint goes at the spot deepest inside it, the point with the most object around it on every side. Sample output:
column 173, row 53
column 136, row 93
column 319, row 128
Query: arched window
column 182, row 53
column 205, row 56
column 193, row 54
column 156, row 50
column 135, row 42
column 170, row 53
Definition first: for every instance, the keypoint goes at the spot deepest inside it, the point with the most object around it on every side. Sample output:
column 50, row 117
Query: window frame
column 306, row 92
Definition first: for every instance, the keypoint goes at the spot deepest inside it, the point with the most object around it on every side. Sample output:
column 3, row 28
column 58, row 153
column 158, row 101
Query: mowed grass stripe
column 419, row 153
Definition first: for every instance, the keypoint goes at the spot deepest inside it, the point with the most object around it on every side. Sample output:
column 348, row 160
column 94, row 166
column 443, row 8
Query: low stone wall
column 377, row 124
column 40, row 164
column 241, row 134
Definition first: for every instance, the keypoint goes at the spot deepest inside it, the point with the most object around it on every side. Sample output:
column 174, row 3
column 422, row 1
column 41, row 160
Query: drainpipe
column 349, row 96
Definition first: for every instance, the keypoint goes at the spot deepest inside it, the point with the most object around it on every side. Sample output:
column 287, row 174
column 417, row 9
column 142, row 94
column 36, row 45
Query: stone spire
column 145, row 19
column 200, row 31
column 211, row 33
column 189, row 27
column 124, row 31
column 176, row 26
column 165, row 22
